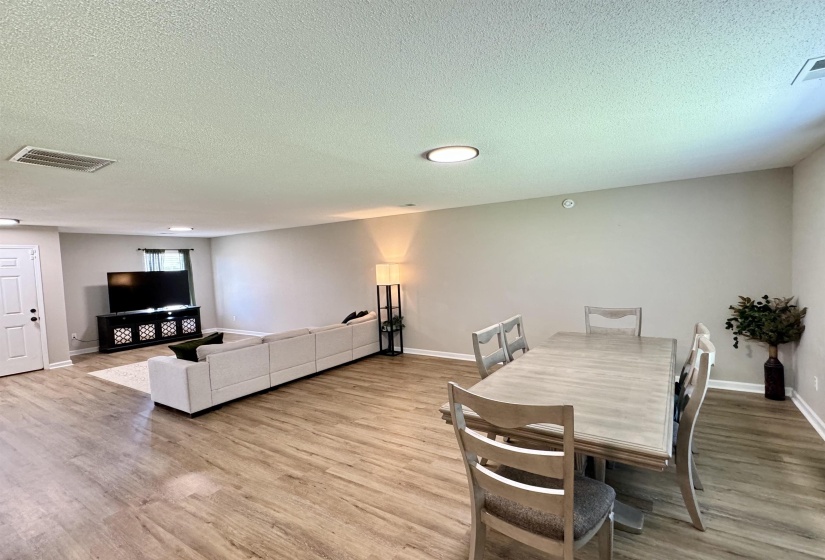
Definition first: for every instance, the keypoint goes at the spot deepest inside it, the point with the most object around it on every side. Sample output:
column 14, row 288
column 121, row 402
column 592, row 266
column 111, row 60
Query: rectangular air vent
column 813, row 69
column 63, row 160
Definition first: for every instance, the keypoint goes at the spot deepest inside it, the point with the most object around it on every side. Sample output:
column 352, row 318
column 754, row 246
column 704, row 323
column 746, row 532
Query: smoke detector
column 813, row 69
column 63, row 160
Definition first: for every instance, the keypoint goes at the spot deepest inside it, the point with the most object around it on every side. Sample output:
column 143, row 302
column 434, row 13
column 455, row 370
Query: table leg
column 627, row 518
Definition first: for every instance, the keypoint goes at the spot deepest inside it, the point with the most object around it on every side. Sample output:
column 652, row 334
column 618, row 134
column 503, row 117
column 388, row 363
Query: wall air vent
column 814, row 69
column 63, row 160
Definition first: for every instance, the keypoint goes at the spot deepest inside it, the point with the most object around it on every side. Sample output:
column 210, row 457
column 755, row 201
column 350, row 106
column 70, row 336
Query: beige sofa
column 225, row 372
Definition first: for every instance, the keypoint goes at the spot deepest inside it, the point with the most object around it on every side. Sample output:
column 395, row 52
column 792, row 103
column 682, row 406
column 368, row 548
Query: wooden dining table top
column 621, row 389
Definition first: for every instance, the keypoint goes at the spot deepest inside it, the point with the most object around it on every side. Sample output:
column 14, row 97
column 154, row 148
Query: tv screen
column 131, row 291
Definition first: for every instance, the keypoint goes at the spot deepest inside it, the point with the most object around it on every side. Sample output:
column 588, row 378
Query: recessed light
column 8, row 222
column 180, row 228
column 452, row 154
column 568, row 203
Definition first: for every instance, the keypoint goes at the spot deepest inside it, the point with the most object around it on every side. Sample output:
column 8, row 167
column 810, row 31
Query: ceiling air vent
column 814, row 69
column 63, row 160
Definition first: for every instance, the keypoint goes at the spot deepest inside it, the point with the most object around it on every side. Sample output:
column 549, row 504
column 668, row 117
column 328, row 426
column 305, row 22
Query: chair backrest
column 698, row 330
column 554, row 464
column 613, row 313
column 696, row 387
column 498, row 356
column 514, row 343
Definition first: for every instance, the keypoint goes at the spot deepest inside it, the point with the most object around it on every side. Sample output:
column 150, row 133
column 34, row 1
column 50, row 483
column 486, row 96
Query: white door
column 20, row 343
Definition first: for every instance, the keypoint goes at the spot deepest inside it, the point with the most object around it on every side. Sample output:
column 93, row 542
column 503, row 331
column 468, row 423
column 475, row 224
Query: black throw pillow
column 361, row 314
column 349, row 318
column 189, row 350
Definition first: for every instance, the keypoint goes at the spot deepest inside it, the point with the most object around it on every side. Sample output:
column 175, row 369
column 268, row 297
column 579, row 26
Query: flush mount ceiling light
column 8, row 222
column 180, row 228
column 452, row 154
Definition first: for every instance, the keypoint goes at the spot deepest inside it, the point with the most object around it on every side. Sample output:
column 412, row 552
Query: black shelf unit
column 134, row 329
column 386, row 312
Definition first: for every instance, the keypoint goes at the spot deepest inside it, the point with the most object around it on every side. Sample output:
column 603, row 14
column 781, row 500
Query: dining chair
column 499, row 356
column 517, row 343
column 613, row 313
column 533, row 496
column 699, row 330
column 695, row 389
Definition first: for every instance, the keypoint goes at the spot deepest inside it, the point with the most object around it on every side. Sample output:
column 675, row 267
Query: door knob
column 34, row 319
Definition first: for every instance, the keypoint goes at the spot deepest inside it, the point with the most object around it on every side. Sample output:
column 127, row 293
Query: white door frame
column 41, row 308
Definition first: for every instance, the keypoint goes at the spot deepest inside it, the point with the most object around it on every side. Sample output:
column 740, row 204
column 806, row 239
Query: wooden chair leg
column 581, row 463
column 478, row 537
column 684, row 473
column 697, row 482
column 606, row 539
column 600, row 468
column 484, row 459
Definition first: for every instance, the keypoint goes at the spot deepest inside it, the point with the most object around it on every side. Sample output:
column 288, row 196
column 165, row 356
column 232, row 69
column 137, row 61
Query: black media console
column 133, row 329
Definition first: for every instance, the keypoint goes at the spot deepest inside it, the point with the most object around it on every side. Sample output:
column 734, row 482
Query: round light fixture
column 8, row 222
column 568, row 203
column 180, row 228
column 452, row 154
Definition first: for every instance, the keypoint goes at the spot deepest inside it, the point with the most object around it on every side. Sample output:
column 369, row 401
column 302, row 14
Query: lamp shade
column 387, row 274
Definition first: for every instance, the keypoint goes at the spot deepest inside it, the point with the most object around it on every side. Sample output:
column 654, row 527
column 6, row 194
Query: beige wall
column 88, row 257
column 682, row 250
column 52, row 273
column 809, row 275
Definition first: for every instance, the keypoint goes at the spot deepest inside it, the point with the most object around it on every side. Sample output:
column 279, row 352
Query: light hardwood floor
column 354, row 463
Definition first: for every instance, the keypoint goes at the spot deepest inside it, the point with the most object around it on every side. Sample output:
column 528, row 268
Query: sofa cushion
column 368, row 317
column 204, row 351
column 327, row 328
column 188, row 350
column 284, row 335
column 349, row 317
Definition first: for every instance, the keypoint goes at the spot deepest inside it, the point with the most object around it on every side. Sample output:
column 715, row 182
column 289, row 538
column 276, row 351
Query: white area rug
column 134, row 376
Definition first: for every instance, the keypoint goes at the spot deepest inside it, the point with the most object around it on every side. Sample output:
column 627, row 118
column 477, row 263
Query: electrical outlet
column 74, row 336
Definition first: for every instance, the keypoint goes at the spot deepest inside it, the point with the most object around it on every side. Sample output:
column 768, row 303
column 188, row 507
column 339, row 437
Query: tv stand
column 134, row 329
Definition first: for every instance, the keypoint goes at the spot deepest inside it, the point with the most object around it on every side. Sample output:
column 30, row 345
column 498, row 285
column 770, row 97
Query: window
column 170, row 260
column 165, row 261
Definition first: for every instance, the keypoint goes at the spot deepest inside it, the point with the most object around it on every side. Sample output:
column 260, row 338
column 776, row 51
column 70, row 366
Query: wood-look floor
column 354, row 463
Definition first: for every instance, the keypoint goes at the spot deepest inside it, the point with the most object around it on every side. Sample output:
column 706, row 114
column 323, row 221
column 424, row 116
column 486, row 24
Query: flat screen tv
column 132, row 291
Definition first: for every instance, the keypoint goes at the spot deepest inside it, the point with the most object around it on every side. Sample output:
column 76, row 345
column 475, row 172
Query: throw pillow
column 361, row 314
column 350, row 317
column 189, row 350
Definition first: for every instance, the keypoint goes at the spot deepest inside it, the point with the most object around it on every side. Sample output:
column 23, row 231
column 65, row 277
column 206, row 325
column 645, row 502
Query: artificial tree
column 773, row 321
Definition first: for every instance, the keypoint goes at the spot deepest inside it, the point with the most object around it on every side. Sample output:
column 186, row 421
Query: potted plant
column 397, row 324
column 773, row 321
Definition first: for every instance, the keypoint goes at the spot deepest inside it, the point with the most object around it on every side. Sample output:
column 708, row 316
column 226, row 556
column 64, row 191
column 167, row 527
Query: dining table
column 621, row 389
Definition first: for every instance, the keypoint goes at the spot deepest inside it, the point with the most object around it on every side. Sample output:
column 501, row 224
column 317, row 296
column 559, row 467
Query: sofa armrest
column 181, row 384
column 365, row 333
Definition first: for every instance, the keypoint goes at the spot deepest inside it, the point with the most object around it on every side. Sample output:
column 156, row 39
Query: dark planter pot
column 774, row 376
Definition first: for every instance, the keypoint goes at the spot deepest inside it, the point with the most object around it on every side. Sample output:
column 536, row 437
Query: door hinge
column 32, row 254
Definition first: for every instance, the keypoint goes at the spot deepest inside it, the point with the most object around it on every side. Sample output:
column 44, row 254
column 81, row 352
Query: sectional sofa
column 225, row 372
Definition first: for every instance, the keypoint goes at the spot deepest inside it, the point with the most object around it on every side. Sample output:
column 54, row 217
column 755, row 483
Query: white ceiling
column 238, row 115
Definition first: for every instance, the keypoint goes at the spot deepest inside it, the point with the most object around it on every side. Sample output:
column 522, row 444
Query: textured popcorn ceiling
column 235, row 116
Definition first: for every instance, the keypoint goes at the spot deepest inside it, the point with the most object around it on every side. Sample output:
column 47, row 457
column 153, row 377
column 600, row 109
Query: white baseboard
column 809, row 414
column 58, row 365
column 238, row 331
column 742, row 387
column 437, row 354
column 80, row 351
